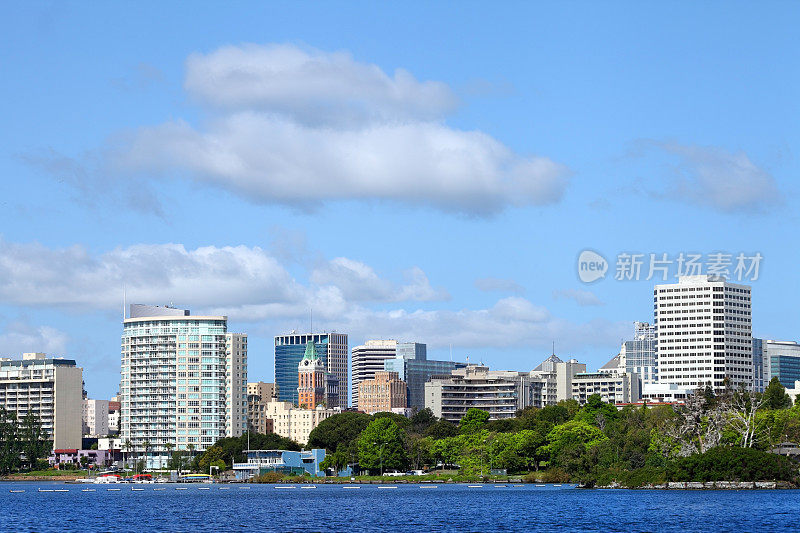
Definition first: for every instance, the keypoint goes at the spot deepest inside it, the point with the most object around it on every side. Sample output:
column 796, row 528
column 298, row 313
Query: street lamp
column 380, row 454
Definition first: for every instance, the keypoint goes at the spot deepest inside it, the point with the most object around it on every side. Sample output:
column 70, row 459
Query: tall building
column 51, row 389
column 703, row 329
column 258, row 395
column 413, row 366
column 175, row 376
column 235, row 384
column 289, row 351
column 638, row 356
column 780, row 359
column 95, row 417
column 382, row 393
column 499, row 392
column 311, row 386
column 368, row 359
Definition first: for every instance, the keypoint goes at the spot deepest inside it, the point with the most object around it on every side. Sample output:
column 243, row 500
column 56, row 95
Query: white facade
column 703, row 328
column 95, row 417
column 368, row 359
column 665, row 392
column 174, row 388
column 51, row 389
column 556, row 377
column 294, row 422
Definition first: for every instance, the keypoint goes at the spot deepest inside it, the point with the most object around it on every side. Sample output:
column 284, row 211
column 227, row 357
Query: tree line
column 24, row 445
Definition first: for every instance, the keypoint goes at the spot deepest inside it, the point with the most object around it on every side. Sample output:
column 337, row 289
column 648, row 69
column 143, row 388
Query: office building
column 780, row 359
column 95, row 418
column 638, row 355
column 556, row 377
column 414, row 368
column 49, row 388
column 703, row 329
column 368, row 359
column 499, row 392
column 312, row 388
column 613, row 387
column 665, row 393
column 382, row 393
column 289, row 351
column 258, row 395
column 758, row 365
column 175, row 379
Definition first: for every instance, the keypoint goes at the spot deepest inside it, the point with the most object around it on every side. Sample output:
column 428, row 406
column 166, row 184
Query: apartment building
column 383, row 392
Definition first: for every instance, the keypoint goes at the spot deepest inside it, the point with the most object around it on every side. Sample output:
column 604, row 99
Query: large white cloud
column 301, row 127
column 20, row 336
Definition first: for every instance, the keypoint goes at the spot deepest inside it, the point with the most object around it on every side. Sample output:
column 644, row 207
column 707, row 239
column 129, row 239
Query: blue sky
column 426, row 172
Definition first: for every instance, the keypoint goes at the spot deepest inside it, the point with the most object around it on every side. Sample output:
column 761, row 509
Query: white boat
column 109, row 478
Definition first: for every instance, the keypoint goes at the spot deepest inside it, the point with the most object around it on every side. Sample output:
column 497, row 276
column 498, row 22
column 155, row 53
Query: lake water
column 405, row 508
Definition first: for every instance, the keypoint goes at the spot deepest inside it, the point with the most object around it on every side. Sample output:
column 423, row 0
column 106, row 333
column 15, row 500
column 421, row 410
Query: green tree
column 597, row 412
column 33, row 440
column 441, row 429
column 380, row 446
column 473, row 421
column 338, row 430
column 775, row 395
column 569, row 436
column 422, row 420
column 10, row 445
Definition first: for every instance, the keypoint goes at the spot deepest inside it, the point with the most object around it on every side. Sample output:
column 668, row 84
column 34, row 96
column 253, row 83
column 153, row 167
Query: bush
column 269, row 477
column 732, row 464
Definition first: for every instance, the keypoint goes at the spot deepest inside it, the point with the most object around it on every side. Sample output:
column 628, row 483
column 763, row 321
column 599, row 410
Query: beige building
column 613, row 387
column 382, row 393
column 259, row 394
column 236, row 383
column 295, row 423
column 51, row 389
column 95, row 418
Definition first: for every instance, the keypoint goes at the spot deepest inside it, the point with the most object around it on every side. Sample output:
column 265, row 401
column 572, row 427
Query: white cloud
column 208, row 276
column 581, row 297
column 20, row 337
column 498, row 285
column 302, row 127
column 312, row 86
column 714, row 177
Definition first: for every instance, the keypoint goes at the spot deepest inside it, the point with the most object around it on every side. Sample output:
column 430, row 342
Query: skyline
column 135, row 156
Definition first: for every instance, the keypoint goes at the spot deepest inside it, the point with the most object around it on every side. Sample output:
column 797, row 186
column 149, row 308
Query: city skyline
column 142, row 165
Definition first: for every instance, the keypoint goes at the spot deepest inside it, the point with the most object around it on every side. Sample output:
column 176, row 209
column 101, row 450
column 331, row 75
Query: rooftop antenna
column 554, row 347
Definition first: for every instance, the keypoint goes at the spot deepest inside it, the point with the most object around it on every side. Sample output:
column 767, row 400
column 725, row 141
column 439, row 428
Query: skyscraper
column 183, row 381
column 311, row 379
column 413, row 366
column 368, row 359
column 780, row 359
column 331, row 348
column 703, row 330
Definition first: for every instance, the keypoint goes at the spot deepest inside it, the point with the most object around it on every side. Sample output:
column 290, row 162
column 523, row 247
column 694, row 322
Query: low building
column 72, row 456
column 499, row 392
column 382, row 393
column 613, row 387
column 665, row 392
column 294, row 422
column 259, row 394
column 281, row 461
column 113, row 416
column 51, row 389
column 555, row 377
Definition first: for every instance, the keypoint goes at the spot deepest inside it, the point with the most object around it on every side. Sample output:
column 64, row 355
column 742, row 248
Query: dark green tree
column 339, row 430
column 10, row 445
column 441, row 429
column 380, row 446
column 775, row 395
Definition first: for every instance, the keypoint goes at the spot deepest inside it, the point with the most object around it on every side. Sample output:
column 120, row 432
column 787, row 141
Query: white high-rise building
column 368, row 359
column 236, row 383
column 703, row 330
column 183, row 382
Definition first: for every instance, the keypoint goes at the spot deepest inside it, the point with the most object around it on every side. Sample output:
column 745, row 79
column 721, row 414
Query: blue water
column 406, row 508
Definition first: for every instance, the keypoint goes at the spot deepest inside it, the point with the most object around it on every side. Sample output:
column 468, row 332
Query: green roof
column 311, row 352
